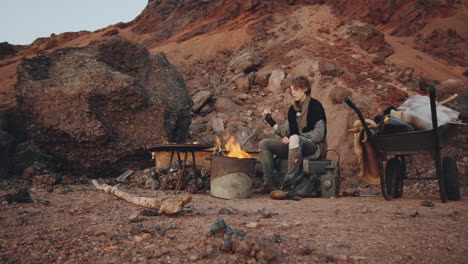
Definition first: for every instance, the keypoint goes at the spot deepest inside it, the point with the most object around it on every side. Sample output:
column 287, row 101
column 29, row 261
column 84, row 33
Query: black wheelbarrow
column 400, row 145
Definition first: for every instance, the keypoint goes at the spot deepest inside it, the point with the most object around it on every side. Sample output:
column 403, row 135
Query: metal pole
column 437, row 156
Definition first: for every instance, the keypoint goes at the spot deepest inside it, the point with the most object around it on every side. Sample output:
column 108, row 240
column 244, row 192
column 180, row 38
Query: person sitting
column 303, row 134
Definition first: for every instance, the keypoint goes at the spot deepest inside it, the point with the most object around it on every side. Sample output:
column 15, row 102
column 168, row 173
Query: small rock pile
column 250, row 249
column 160, row 179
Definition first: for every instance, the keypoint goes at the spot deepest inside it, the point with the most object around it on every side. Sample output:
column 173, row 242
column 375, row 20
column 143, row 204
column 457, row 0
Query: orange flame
column 218, row 144
column 234, row 149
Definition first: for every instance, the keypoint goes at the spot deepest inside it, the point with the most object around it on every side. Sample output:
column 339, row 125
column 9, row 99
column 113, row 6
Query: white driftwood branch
column 165, row 204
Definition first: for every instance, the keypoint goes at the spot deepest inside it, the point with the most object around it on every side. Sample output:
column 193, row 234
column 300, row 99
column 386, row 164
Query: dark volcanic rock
column 27, row 155
column 6, row 148
column 7, row 49
column 100, row 106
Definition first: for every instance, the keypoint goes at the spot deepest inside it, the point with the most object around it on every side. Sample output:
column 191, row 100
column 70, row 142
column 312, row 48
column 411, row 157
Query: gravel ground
column 79, row 224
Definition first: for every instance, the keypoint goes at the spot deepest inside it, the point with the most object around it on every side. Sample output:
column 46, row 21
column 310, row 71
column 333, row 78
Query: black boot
column 267, row 187
column 294, row 165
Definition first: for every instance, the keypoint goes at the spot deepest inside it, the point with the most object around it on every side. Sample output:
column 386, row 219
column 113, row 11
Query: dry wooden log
column 165, row 204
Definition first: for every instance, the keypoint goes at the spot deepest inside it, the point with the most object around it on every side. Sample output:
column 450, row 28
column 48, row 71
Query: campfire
column 232, row 148
column 231, row 174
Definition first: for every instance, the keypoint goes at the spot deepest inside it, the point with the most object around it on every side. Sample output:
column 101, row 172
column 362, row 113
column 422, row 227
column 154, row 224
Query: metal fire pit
column 231, row 178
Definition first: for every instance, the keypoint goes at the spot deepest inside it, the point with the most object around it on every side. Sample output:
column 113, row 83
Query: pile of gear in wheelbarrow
column 419, row 126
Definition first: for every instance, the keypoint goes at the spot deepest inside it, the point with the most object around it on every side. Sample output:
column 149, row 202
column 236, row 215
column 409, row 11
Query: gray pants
column 270, row 147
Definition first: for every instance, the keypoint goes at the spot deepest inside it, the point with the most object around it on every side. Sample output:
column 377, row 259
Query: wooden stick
column 451, row 98
column 167, row 204
column 260, row 122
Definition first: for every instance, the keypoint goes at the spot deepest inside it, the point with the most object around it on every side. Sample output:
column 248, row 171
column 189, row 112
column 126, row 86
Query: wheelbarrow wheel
column 393, row 184
column 452, row 185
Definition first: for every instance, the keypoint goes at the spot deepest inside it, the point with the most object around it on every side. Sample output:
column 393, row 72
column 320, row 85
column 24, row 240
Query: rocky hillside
column 236, row 58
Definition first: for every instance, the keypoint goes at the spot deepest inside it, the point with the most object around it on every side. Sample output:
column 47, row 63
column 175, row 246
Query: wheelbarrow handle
column 361, row 117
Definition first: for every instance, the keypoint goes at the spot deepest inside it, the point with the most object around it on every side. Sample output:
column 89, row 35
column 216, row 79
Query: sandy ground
column 79, row 224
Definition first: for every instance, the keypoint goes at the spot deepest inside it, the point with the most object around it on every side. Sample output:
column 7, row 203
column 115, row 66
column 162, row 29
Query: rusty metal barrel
column 231, row 178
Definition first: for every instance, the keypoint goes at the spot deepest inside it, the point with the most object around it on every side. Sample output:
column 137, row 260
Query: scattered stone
column 244, row 63
column 134, row 218
column 261, row 80
column 242, row 84
column 416, row 214
column 199, row 128
column 200, row 99
column 338, row 94
column 427, row 203
column 451, row 85
column 171, row 236
column 219, row 228
column 329, row 68
column 252, row 225
column 265, row 213
column 243, row 96
column 46, row 179
column 171, row 206
column 182, row 247
column 224, row 105
column 217, row 124
column 146, row 236
column 193, row 258
column 206, row 110
column 227, row 211
column 305, row 251
column 274, row 82
column 406, row 75
column 284, row 226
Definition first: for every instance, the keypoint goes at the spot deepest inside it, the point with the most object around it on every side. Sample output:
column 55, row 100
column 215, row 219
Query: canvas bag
column 305, row 186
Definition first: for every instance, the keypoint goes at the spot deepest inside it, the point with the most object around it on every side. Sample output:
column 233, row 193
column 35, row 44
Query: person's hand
column 268, row 118
column 285, row 140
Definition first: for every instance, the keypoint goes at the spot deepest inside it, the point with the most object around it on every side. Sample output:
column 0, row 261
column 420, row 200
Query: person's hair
column 301, row 82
